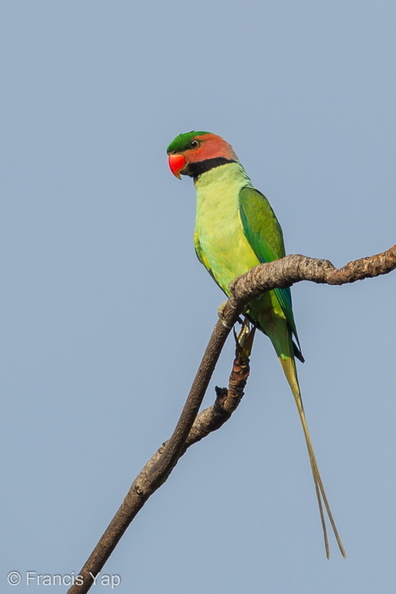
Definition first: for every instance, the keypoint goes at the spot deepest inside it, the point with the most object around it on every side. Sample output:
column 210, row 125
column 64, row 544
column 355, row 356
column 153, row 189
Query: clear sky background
column 105, row 310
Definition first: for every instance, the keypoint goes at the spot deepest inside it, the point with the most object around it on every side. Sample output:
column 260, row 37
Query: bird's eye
column 194, row 144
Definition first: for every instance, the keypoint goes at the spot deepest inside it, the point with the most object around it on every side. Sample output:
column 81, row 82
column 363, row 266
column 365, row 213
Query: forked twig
column 192, row 428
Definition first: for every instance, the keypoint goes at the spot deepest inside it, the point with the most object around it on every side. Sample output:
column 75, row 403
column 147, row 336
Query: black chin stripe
column 196, row 169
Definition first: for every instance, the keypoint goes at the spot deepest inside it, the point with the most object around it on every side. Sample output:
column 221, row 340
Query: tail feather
column 289, row 368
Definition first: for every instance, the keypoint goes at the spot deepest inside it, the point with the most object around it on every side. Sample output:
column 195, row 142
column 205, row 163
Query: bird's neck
column 225, row 176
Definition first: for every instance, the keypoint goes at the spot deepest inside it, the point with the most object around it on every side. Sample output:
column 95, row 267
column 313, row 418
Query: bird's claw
column 220, row 313
column 244, row 340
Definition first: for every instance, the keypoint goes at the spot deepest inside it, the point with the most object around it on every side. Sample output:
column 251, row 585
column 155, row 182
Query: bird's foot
column 244, row 340
column 220, row 313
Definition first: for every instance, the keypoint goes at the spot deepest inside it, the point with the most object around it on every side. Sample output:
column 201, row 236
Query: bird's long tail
column 289, row 368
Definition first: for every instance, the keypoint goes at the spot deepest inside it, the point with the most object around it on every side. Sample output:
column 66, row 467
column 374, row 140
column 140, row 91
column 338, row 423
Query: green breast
column 220, row 238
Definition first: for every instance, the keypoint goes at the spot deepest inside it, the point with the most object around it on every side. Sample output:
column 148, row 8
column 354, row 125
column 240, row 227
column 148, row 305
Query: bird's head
column 194, row 152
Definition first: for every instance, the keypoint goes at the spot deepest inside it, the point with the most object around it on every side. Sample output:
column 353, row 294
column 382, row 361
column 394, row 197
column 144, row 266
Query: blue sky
column 106, row 310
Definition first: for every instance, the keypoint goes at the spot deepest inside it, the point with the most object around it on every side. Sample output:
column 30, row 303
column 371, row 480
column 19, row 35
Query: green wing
column 265, row 236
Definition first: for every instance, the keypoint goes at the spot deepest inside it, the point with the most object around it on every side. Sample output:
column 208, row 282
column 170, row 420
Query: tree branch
column 192, row 428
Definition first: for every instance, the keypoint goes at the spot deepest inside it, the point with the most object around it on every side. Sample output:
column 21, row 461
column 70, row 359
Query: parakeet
column 236, row 229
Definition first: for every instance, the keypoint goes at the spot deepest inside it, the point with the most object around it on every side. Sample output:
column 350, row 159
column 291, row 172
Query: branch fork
column 192, row 427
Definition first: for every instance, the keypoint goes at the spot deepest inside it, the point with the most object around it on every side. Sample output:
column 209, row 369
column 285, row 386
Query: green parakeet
column 236, row 229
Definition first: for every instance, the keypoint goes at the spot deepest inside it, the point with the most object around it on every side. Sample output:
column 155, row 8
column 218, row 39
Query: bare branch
column 155, row 472
column 295, row 268
column 192, row 428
